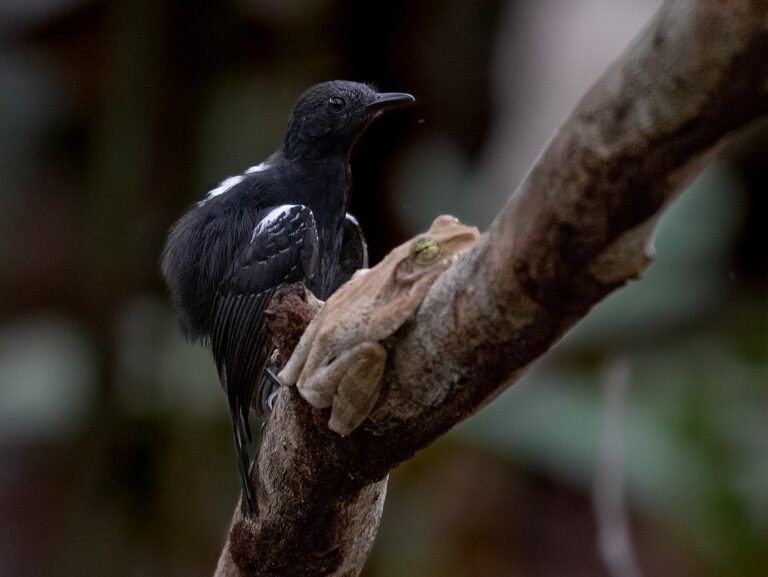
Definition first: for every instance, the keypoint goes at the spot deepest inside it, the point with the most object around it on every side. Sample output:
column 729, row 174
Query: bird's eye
column 336, row 103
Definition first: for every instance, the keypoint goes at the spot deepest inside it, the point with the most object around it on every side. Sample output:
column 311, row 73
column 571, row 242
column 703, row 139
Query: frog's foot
column 348, row 383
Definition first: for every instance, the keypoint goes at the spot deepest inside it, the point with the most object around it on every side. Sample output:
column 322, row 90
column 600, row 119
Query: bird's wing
column 354, row 249
column 283, row 249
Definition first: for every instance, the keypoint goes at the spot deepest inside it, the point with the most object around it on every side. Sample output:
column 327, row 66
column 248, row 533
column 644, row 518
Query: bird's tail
column 242, row 437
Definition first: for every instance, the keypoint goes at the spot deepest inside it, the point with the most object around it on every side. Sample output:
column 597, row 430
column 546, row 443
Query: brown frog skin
column 339, row 362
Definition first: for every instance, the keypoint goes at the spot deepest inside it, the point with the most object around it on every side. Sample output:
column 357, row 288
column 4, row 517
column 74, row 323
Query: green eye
column 425, row 250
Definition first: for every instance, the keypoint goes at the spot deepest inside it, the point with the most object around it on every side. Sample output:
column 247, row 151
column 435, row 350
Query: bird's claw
column 271, row 399
column 269, row 393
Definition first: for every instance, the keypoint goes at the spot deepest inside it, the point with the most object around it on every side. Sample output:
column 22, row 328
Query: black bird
column 282, row 221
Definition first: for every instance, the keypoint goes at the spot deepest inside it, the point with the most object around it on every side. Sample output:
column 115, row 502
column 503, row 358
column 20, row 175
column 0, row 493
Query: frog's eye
column 425, row 250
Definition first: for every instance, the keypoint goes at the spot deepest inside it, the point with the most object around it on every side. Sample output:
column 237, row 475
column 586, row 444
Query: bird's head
column 328, row 118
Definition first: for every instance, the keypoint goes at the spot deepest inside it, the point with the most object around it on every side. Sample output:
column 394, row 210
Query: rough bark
column 578, row 228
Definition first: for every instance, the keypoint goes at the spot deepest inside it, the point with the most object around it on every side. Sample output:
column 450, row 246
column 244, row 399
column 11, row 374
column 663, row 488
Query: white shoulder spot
column 351, row 219
column 225, row 185
column 273, row 216
column 258, row 168
column 228, row 183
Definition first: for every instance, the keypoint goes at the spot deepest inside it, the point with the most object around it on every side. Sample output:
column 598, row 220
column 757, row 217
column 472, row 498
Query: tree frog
column 339, row 361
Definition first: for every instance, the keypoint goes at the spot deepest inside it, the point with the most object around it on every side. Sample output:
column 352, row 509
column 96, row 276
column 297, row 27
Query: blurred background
column 115, row 448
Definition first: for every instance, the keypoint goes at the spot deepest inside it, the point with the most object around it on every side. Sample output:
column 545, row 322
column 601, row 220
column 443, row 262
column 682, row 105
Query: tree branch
column 578, row 228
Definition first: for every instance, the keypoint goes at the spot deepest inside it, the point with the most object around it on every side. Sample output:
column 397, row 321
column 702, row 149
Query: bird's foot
column 271, row 387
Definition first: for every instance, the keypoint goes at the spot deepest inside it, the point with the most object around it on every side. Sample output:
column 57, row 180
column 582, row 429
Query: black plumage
column 282, row 221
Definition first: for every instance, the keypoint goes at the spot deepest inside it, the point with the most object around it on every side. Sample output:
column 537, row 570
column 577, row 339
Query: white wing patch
column 273, row 216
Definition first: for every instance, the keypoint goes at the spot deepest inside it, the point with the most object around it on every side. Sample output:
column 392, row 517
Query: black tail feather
column 249, row 505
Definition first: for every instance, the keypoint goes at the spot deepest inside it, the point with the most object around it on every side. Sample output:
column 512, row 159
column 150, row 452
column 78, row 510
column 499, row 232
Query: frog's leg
column 358, row 388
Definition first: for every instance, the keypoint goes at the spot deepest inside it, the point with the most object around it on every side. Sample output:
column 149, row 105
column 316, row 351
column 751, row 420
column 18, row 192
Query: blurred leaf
column 47, row 379
column 159, row 371
column 697, row 439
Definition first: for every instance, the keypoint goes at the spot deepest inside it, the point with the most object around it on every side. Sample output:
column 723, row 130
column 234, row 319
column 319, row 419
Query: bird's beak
column 385, row 100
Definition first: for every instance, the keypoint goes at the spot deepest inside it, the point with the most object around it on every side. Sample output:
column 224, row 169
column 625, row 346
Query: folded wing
column 283, row 249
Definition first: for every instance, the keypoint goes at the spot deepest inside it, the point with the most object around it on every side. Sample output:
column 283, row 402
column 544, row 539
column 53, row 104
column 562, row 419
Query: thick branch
column 576, row 230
